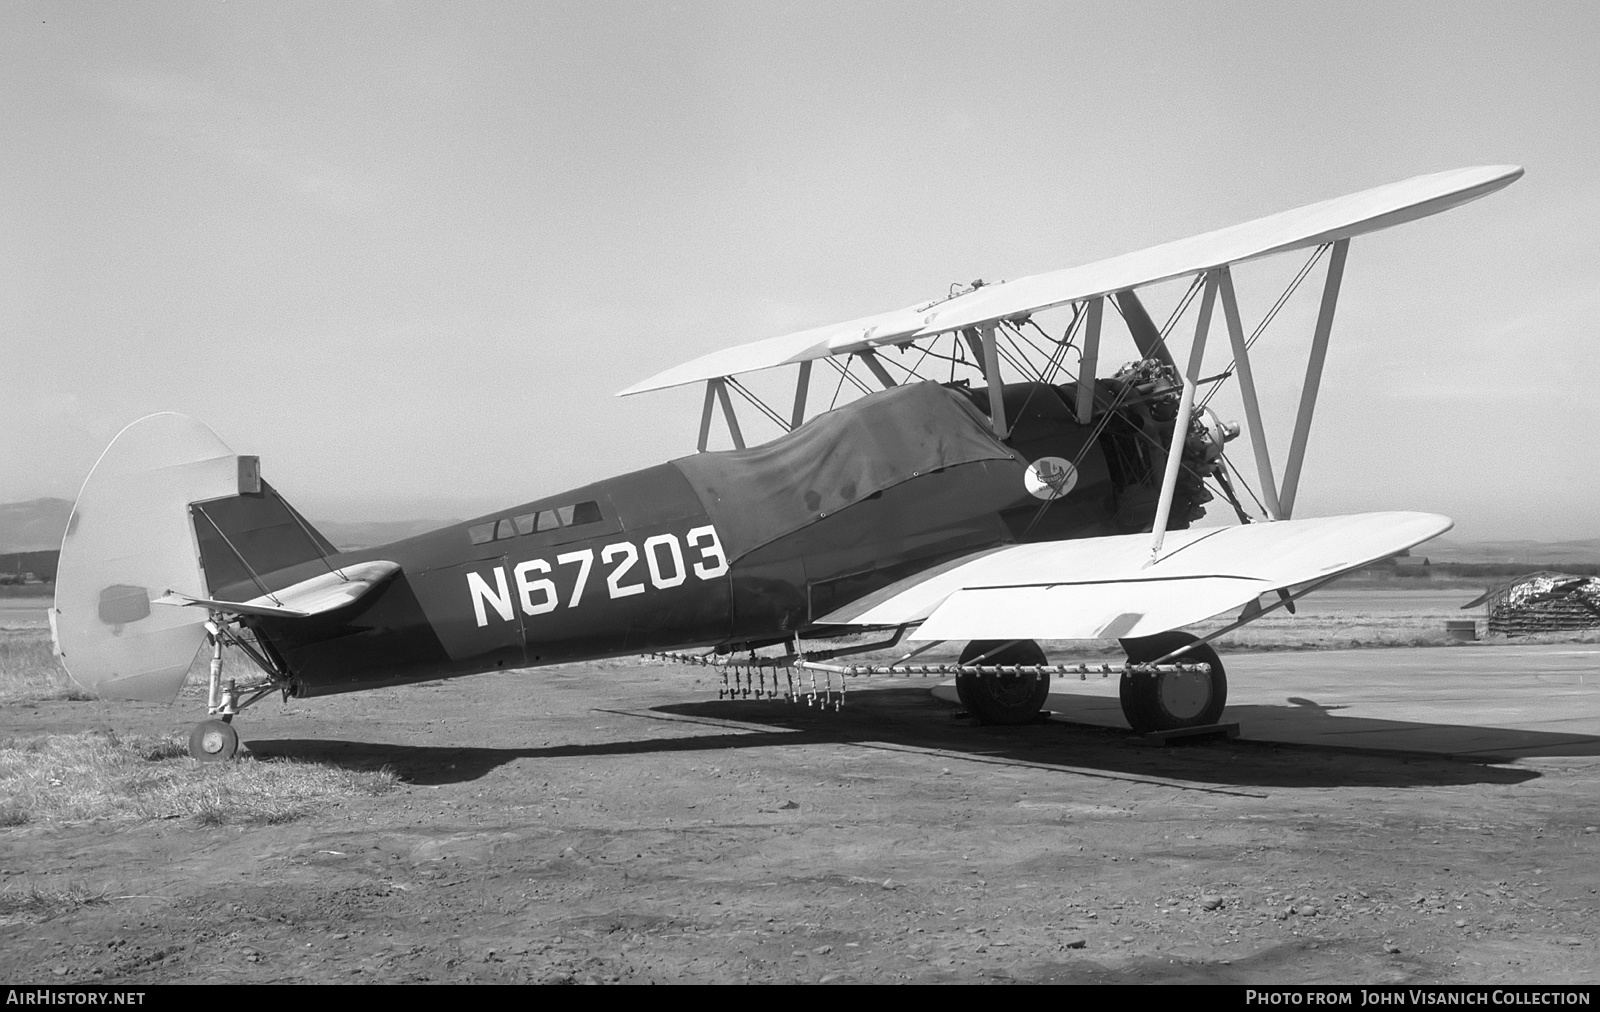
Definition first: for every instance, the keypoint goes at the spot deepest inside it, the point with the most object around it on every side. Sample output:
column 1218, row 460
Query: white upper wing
column 1339, row 218
column 804, row 346
column 1103, row 588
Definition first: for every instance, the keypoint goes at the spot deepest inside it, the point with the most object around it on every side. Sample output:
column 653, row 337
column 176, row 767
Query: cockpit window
column 538, row 522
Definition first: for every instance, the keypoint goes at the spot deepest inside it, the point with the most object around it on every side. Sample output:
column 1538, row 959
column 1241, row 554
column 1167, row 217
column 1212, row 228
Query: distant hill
column 1538, row 554
column 38, row 525
column 33, row 526
column 348, row 536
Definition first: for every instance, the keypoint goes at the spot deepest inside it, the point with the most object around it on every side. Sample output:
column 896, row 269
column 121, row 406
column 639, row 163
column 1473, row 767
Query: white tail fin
column 129, row 541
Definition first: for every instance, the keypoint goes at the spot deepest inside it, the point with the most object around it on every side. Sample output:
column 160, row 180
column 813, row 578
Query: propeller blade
column 1145, row 335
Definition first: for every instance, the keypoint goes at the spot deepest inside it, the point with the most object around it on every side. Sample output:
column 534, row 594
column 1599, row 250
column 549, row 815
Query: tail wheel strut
column 216, row 739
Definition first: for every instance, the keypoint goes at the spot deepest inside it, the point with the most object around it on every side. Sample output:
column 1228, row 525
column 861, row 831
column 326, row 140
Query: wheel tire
column 213, row 741
column 1004, row 699
column 1167, row 702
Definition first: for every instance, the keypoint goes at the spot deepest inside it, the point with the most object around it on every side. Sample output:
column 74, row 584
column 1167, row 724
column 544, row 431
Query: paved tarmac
column 1480, row 702
column 24, row 612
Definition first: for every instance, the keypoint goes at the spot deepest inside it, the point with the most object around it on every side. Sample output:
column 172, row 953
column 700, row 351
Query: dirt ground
column 615, row 822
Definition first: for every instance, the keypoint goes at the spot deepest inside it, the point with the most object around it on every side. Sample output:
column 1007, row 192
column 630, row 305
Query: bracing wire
column 1009, row 354
column 1283, row 300
column 952, row 359
column 1057, row 361
column 1183, row 305
column 758, row 402
column 844, row 374
column 1244, row 484
column 921, row 359
column 1020, row 336
column 836, row 390
column 1051, row 359
column 1083, row 450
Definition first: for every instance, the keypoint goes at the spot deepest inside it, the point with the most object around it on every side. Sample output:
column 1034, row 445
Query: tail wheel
column 1003, row 699
column 213, row 741
column 1172, row 700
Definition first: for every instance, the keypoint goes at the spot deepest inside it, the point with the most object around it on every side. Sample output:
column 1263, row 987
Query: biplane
column 987, row 487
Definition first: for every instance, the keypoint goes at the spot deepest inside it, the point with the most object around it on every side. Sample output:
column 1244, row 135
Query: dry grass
column 1282, row 631
column 135, row 778
column 1376, row 628
column 33, row 904
column 30, row 670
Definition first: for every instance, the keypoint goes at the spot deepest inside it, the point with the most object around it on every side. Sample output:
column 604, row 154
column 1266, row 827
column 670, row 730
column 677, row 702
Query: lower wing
column 1108, row 587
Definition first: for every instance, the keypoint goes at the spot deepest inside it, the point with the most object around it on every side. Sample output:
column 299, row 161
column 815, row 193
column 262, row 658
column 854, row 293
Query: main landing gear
column 1008, row 682
column 1172, row 700
column 1001, row 697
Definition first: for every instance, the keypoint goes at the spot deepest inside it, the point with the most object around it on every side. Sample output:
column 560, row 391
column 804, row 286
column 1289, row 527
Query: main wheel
column 213, row 741
column 1003, row 699
column 1172, row 700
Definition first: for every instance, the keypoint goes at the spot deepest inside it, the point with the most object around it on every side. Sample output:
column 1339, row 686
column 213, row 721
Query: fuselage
column 732, row 549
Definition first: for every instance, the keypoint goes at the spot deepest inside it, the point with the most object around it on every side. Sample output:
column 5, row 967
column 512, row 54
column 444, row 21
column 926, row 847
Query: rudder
column 130, row 540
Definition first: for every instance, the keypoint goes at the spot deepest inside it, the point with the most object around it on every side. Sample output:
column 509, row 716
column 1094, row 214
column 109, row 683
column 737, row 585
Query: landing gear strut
column 215, row 740
column 1003, row 697
column 1169, row 701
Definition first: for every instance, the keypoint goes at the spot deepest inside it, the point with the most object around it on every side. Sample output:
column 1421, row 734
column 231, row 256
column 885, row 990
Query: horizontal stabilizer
column 321, row 593
column 177, row 600
column 1106, row 588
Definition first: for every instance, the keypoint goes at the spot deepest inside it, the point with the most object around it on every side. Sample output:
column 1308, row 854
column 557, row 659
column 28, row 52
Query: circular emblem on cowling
column 1050, row 478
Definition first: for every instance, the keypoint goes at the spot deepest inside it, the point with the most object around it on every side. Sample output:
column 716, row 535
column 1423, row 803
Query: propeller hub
column 1207, row 436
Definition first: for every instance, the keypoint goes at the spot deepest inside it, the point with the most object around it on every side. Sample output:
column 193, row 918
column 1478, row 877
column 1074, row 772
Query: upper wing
column 818, row 342
column 1103, row 588
column 1312, row 225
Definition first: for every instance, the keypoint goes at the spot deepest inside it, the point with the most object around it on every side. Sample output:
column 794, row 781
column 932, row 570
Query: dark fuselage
column 682, row 554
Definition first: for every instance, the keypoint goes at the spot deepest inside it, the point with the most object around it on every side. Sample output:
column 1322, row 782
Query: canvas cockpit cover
column 757, row 495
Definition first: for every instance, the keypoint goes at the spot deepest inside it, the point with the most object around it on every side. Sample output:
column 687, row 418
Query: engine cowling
column 1148, row 395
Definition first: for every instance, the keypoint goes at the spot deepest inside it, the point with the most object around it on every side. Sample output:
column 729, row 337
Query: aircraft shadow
column 908, row 718
column 1306, row 722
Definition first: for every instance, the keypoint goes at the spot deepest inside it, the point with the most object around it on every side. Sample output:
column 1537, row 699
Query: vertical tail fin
column 246, row 538
column 131, row 539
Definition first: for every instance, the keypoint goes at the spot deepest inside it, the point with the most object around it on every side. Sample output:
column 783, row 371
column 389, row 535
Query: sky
column 407, row 253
